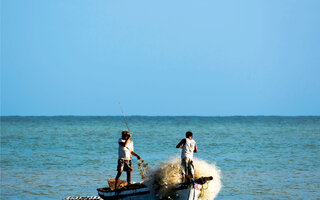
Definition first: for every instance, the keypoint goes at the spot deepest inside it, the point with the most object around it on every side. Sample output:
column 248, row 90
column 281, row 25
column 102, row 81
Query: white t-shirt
column 188, row 149
column 125, row 152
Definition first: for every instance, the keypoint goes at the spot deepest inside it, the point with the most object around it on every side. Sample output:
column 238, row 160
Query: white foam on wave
column 162, row 180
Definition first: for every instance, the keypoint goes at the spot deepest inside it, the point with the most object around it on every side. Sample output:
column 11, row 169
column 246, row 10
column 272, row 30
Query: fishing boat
column 139, row 191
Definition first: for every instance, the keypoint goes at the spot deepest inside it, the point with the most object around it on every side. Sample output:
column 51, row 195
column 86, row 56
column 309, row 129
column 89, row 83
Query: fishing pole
column 142, row 166
column 124, row 117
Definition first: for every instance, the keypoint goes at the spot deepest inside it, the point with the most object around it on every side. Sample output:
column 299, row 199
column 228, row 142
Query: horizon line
column 160, row 115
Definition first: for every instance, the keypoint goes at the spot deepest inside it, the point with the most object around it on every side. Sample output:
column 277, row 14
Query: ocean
column 259, row 157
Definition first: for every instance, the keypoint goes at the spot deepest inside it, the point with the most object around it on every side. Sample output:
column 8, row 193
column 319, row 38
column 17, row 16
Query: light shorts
column 124, row 165
column 187, row 167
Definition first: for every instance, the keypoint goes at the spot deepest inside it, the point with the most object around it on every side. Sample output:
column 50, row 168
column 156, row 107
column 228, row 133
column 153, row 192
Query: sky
column 200, row 58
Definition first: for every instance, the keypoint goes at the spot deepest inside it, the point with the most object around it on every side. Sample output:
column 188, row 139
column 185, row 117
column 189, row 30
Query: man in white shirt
column 189, row 146
column 124, row 156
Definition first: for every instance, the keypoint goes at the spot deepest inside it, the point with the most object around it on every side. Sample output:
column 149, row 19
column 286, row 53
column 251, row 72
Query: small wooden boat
column 139, row 191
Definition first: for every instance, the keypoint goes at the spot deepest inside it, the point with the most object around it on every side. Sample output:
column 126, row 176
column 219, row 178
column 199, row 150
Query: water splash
column 162, row 180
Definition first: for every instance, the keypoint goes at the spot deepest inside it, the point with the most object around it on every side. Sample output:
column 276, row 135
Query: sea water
column 259, row 157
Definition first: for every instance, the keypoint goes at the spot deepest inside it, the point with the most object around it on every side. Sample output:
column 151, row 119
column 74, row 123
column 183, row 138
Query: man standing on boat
column 124, row 156
column 189, row 146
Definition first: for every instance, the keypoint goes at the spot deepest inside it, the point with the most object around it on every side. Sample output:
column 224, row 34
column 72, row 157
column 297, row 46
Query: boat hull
column 139, row 191
column 182, row 192
column 133, row 194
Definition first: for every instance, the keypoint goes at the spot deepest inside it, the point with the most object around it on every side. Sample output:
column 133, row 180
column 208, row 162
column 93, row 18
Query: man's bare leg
column 183, row 177
column 129, row 177
column 117, row 179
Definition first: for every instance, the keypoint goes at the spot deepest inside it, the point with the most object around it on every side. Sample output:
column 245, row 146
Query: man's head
column 125, row 134
column 188, row 134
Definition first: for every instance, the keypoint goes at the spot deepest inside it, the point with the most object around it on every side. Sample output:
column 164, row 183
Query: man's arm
column 181, row 143
column 136, row 155
column 195, row 148
column 124, row 144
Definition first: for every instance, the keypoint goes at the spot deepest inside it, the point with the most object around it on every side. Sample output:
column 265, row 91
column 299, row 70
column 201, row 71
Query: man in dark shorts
column 124, row 156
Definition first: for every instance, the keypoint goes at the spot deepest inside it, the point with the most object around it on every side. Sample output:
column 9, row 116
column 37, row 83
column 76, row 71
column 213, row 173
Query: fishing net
column 162, row 180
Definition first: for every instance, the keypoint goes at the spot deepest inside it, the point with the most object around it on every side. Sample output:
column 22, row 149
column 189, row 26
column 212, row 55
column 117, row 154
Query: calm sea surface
column 259, row 157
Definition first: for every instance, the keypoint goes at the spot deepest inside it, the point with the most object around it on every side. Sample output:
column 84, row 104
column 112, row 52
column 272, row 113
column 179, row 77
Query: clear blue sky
column 215, row 58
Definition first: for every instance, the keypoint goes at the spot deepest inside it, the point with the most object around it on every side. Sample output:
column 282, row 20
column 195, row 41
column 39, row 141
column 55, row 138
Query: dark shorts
column 124, row 165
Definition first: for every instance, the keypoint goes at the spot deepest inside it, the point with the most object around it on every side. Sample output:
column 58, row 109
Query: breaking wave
column 162, row 180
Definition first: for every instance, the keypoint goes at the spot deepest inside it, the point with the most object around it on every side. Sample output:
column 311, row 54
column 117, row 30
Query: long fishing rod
column 142, row 166
column 124, row 117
